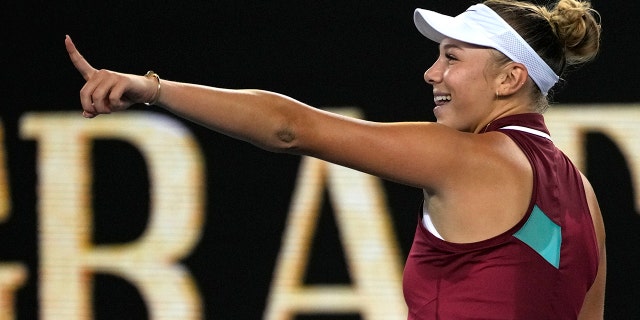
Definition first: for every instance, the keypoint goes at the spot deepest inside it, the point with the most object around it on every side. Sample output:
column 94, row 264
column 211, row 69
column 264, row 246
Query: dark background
column 326, row 53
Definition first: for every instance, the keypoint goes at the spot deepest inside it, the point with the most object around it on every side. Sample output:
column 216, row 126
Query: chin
column 452, row 125
column 443, row 121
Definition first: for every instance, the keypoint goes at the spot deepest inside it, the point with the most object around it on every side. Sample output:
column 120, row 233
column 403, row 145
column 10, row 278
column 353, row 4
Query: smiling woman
column 497, row 63
column 509, row 228
column 462, row 89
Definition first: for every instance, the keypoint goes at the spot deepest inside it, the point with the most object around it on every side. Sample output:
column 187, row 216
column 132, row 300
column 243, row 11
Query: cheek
column 474, row 78
column 473, row 85
column 463, row 79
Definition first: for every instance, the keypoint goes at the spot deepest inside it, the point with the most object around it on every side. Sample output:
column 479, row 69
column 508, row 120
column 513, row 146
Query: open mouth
column 441, row 99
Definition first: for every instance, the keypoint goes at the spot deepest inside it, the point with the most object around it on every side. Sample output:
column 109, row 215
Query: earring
column 497, row 95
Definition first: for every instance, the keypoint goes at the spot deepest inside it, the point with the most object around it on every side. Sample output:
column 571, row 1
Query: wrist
column 154, row 99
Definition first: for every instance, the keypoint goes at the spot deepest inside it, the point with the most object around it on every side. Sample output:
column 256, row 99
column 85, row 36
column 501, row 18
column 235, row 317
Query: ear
column 512, row 78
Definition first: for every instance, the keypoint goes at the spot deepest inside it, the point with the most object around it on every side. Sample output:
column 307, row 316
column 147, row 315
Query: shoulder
column 496, row 149
column 486, row 193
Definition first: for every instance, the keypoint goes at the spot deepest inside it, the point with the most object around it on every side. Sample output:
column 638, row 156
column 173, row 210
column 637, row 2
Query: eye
column 450, row 57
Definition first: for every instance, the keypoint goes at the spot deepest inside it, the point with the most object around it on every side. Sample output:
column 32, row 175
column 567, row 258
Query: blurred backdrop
column 142, row 215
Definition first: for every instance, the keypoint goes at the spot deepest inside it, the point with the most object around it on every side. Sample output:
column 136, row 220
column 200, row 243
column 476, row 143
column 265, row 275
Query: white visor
column 482, row 26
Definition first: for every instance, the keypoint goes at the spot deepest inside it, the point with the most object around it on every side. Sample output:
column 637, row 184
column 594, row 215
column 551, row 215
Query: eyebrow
column 451, row 46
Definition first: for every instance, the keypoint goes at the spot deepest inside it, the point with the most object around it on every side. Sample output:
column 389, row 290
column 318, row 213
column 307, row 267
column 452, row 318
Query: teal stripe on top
column 542, row 235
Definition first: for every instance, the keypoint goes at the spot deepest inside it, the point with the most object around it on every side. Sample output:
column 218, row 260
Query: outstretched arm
column 417, row 153
column 260, row 117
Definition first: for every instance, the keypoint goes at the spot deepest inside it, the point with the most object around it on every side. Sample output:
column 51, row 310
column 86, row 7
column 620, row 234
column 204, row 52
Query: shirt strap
column 528, row 130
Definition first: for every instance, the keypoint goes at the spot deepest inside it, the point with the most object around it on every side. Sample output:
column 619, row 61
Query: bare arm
column 416, row 154
column 257, row 116
column 593, row 307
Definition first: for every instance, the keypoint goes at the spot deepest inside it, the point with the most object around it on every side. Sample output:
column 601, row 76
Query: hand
column 107, row 91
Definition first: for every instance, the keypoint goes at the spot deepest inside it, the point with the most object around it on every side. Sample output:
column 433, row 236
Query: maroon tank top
column 539, row 269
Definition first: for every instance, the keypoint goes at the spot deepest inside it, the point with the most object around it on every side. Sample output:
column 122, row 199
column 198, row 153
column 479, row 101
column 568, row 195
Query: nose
column 433, row 74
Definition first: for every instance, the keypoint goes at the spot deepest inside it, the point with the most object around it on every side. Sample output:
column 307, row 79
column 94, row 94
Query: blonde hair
column 565, row 35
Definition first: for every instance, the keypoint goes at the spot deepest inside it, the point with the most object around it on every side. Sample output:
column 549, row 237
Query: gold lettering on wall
column 367, row 234
column 68, row 258
column 621, row 123
column 176, row 177
column 5, row 198
column 12, row 275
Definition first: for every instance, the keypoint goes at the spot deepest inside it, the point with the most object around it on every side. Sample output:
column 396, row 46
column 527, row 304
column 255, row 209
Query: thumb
column 78, row 60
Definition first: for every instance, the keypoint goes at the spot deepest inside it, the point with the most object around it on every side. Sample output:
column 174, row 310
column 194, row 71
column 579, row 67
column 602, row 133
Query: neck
column 504, row 107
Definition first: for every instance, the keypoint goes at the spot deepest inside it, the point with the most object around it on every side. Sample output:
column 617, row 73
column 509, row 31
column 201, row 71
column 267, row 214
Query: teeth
column 442, row 98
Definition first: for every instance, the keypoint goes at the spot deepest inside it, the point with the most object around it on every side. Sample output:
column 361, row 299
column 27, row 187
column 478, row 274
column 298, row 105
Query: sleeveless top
column 541, row 268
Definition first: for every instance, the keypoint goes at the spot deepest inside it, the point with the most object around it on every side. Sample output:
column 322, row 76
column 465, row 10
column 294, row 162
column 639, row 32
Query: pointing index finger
column 78, row 60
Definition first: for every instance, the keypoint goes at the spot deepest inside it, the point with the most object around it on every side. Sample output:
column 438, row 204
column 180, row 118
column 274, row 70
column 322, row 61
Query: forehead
column 479, row 56
column 453, row 43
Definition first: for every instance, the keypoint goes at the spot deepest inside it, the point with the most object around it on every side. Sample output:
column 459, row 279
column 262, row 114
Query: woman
column 510, row 228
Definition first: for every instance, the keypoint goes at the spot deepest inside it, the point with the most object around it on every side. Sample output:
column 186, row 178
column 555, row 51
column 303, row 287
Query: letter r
column 67, row 257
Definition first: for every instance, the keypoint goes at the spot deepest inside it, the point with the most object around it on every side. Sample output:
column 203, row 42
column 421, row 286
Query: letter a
column 366, row 233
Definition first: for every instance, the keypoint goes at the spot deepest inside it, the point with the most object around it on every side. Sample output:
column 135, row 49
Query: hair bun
column 575, row 25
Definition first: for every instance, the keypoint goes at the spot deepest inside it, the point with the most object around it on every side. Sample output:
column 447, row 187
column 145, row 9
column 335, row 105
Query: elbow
column 281, row 138
column 286, row 137
column 284, row 140
column 282, row 125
